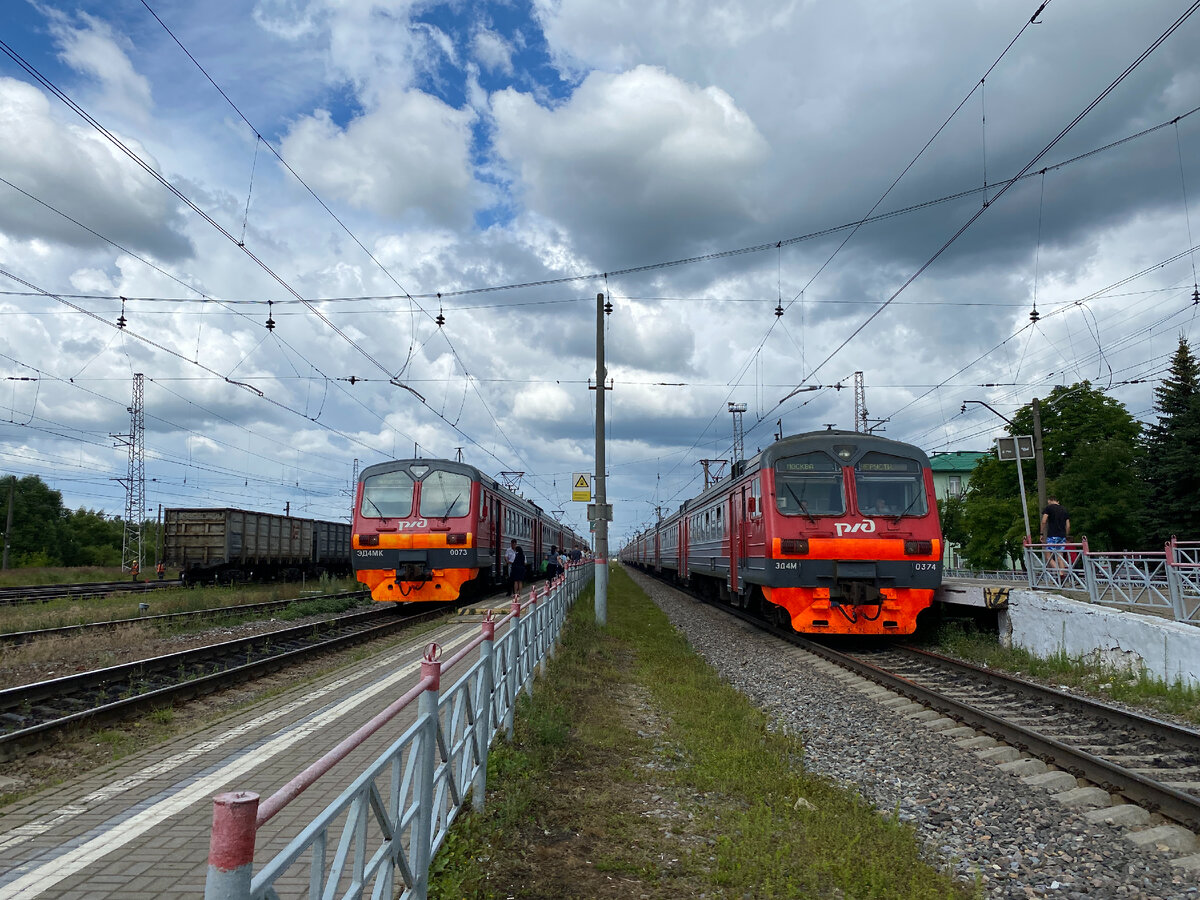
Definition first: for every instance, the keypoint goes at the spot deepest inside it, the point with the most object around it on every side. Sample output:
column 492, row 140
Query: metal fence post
column 231, row 846
column 1029, row 561
column 483, row 716
column 1174, row 581
column 513, row 663
column 1089, row 573
column 422, row 836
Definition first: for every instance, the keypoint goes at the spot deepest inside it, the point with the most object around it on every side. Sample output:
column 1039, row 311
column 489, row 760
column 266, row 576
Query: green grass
column 60, row 575
column 1134, row 687
column 630, row 712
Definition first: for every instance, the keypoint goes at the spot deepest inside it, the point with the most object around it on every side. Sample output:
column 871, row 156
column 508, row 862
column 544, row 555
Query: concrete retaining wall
column 1046, row 624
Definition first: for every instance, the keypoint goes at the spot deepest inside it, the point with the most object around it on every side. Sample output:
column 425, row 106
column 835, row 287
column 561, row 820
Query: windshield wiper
column 378, row 511
column 800, row 502
column 446, row 514
column 915, row 498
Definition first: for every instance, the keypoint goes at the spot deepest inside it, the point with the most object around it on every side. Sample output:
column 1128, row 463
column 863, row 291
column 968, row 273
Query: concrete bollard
column 231, row 847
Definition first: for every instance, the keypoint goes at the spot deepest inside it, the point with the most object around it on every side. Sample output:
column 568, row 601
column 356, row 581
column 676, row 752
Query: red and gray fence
column 1166, row 583
column 391, row 820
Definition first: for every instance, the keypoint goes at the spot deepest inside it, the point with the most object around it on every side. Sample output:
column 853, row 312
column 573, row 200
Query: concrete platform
column 140, row 828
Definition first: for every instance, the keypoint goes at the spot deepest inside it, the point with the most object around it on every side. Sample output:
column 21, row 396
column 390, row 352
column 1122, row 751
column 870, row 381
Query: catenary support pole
column 601, row 496
column 1039, row 457
column 12, row 488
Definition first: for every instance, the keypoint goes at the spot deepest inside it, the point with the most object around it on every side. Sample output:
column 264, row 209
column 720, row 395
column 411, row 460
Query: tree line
column 46, row 533
column 1125, row 486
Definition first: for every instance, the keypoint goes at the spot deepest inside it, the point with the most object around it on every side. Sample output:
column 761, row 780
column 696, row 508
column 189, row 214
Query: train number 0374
column 924, row 567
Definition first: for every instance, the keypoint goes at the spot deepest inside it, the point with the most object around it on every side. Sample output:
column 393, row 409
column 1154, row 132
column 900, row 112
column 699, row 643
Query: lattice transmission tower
column 135, row 479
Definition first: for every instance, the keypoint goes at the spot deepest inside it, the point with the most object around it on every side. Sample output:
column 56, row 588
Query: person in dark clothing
column 1056, row 529
column 552, row 562
column 517, row 572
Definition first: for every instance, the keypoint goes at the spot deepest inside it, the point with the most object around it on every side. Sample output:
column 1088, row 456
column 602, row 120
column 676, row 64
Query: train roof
column 850, row 446
column 855, row 443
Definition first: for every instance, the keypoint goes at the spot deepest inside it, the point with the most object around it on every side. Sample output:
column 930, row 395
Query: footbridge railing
column 1165, row 584
column 378, row 838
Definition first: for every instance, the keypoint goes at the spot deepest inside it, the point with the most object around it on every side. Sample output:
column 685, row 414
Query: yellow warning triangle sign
column 581, row 481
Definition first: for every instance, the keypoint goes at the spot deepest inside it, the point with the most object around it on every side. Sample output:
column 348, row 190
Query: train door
column 737, row 539
column 498, row 542
column 683, row 546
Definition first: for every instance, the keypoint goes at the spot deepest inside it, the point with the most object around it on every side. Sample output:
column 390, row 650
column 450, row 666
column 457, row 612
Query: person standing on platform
column 552, row 562
column 517, row 568
column 1056, row 529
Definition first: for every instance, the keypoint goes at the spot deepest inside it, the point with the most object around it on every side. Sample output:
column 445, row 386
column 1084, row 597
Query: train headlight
column 793, row 545
column 456, row 538
column 368, row 540
column 918, row 548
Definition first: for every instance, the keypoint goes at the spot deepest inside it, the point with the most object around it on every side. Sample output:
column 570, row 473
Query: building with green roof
column 951, row 475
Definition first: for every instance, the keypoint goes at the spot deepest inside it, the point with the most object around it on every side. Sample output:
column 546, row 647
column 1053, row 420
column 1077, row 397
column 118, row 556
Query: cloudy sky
column 354, row 169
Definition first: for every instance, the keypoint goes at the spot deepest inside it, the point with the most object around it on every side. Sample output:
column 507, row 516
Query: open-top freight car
column 830, row 532
column 231, row 545
column 430, row 529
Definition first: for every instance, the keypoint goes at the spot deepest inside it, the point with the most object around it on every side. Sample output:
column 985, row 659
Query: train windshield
column 445, row 494
column 809, row 485
column 388, row 495
column 889, row 485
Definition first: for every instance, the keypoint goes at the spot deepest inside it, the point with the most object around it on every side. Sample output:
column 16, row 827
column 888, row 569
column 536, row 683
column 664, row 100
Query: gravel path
column 981, row 822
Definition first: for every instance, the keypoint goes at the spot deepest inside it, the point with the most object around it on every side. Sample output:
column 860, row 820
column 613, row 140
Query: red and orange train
column 430, row 529
column 831, row 532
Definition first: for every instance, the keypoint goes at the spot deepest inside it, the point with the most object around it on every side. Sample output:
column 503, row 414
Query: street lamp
column 1017, row 448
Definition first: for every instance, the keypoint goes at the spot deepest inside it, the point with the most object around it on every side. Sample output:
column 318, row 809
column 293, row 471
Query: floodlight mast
column 738, row 434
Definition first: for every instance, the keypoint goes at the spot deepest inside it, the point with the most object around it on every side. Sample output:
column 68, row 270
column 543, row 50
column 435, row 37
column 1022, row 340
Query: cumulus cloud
column 78, row 172
column 408, row 158
column 97, row 51
column 492, row 51
column 636, row 160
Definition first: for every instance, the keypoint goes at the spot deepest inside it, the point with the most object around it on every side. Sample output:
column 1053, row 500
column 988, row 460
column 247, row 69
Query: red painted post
column 483, row 718
column 512, row 667
column 231, row 847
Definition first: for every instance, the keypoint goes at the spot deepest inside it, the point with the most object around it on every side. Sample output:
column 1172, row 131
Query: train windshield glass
column 809, row 485
column 889, row 485
column 445, row 494
column 388, row 495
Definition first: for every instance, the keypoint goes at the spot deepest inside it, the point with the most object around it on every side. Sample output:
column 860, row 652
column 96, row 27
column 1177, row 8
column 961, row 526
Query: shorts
column 1056, row 544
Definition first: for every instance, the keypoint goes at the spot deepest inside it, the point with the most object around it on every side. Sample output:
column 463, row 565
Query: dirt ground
column 614, row 827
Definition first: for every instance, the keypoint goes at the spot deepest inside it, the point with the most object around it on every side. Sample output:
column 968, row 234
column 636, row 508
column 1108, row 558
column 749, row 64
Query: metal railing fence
column 1164, row 584
column 393, row 818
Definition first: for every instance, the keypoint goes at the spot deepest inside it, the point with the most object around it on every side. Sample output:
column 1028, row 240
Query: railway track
column 44, row 593
column 1151, row 763
column 13, row 638
column 35, row 715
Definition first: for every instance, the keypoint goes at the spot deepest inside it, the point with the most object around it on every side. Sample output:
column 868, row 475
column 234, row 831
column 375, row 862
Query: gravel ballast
column 983, row 824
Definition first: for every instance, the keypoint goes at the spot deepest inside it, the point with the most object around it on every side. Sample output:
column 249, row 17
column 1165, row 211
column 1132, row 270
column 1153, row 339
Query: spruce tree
column 1171, row 453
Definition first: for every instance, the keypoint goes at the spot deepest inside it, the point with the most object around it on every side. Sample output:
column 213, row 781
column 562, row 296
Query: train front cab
column 853, row 540
column 416, row 524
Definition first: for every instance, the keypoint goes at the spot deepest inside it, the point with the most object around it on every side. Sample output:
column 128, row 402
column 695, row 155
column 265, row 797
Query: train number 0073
column 458, row 552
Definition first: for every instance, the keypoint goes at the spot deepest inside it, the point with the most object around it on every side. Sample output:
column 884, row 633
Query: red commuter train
column 430, row 529
column 832, row 532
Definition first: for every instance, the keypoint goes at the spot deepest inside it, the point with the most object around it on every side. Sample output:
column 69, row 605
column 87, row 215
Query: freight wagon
column 230, row 545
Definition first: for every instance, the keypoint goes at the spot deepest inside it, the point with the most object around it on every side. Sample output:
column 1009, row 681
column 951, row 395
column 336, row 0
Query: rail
column 395, row 815
column 1165, row 584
